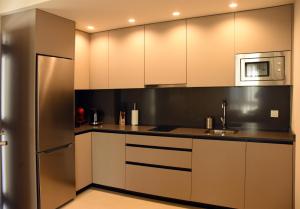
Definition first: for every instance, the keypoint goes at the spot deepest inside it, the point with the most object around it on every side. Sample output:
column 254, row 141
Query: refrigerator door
column 57, row 177
column 55, row 102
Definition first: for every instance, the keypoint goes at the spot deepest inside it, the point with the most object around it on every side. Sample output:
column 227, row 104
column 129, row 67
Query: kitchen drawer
column 172, row 158
column 160, row 141
column 159, row 181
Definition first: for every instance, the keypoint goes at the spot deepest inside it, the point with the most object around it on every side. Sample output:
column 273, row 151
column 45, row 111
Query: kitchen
column 193, row 107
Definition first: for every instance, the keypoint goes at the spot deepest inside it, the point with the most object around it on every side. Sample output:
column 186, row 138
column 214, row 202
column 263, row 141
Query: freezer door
column 56, row 177
column 55, row 102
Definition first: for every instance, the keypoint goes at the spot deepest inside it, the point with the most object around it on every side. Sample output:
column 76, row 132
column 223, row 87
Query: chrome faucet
column 223, row 118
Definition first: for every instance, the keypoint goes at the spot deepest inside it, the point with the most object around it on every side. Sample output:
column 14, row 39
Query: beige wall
column 296, row 99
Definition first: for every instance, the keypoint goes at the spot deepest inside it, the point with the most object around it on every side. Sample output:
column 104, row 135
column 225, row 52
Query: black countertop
column 250, row 136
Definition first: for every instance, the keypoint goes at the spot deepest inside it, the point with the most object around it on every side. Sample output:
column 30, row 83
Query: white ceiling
column 110, row 14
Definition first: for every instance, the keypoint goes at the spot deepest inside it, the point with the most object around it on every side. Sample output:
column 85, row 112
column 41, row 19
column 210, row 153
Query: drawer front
column 159, row 141
column 158, row 181
column 172, row 158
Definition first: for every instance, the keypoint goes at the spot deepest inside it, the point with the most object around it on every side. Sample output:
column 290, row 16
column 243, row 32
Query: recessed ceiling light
column 233, row 5
column 176, row 13
column 90, row 27
column 131, row 20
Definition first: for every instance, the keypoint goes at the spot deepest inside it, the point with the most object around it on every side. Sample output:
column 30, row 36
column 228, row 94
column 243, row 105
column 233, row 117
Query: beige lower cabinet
column 108, row 159
column 218, row 172
column 159, row 181
column 269, row 176
column 83, row 160
column 159, row 166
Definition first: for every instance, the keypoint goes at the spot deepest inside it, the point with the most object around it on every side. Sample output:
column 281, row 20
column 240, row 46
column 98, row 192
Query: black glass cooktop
column 163, row 128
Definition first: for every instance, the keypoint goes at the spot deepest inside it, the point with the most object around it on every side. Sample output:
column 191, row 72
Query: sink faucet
column 223, row 118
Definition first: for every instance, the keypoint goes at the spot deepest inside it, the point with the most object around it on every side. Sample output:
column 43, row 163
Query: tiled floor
column 100, row 199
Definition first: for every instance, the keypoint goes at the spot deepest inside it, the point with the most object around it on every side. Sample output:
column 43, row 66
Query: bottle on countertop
column 122, row 118
column 134, row 116
column 94, row 117
column 209, row 123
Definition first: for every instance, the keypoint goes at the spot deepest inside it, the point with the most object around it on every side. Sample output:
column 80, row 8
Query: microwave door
column 258, row 69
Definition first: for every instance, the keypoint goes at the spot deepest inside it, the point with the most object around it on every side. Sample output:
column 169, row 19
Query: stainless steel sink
column 221, row 132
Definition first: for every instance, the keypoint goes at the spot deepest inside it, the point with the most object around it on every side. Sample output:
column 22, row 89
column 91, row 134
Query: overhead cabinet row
column 133, row 57
column 193, row 52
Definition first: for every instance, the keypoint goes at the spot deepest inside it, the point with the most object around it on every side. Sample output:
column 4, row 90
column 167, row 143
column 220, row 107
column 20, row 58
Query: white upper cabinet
column 210, row 50
column 264, row 29
column 99, row 61
column 82, row 60
column 165, row 53
column 126, row 58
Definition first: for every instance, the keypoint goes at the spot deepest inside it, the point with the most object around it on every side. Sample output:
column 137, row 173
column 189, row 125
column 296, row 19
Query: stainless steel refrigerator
column 55, row 131
column 38, row 163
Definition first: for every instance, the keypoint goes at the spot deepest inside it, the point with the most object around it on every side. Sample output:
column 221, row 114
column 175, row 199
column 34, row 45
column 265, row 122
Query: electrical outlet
column 274, row 113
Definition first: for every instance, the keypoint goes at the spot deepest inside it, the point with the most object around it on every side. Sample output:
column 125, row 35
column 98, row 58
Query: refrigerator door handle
column 2, row 133
column 3, row 143
column 56, row 149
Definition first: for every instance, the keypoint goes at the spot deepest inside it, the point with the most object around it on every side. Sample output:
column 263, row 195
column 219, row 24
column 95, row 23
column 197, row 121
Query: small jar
column 209, row 123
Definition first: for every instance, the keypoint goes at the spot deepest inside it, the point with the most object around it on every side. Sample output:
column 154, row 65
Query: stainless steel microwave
column 263, row 69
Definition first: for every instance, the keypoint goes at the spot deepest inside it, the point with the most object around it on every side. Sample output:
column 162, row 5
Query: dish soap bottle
column 134, row 116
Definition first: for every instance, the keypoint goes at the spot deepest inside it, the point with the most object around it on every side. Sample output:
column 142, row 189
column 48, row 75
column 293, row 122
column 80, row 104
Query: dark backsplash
column 248, row 107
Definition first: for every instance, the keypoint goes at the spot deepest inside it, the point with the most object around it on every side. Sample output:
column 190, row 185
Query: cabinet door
column 83, row 160
column 210, row 38
column 82, row 60
column 218, row 172
column 99, row 61
column 108, row 159
column 269, row 176
column 55, row 36
column 126, row 58
column 165, row 53
column 264, row 30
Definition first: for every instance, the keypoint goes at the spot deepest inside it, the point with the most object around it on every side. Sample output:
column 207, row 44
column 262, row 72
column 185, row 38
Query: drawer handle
column 159, row 166
column 158, row 147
